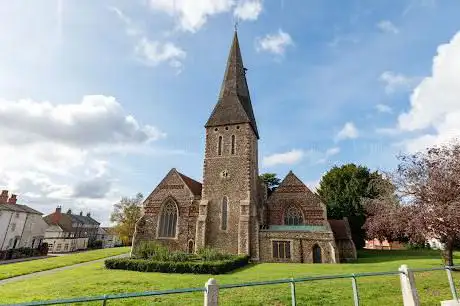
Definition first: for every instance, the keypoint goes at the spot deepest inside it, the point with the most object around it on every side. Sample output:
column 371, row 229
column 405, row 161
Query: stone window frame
column 286, row 208
column 233, row 144
column 188, row 246
column 291, row 249
column 169, row 199
column 221, row 214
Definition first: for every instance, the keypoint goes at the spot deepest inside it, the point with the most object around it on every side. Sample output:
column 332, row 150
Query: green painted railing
column 292, row 281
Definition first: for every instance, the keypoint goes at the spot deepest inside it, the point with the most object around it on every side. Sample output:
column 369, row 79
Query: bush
column 95, row 244
column 151, row 250
column 196, row 267
column 208, row 254
column 42, row 250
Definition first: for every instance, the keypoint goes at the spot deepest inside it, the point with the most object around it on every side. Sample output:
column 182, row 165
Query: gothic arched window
column 219, row 146
column 168, row 220
column 233, row 145
column 190, row 246
column 293, row 216
column 224, row 220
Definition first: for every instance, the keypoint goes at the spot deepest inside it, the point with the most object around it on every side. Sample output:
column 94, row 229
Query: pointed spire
column 234, row 105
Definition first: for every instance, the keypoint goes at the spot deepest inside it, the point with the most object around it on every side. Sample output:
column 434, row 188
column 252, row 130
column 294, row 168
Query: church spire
column 234, row 104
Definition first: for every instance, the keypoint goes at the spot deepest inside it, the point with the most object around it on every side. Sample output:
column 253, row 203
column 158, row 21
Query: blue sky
column 99, row 99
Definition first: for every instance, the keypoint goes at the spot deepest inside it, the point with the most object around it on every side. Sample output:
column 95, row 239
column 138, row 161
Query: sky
column 100, row 99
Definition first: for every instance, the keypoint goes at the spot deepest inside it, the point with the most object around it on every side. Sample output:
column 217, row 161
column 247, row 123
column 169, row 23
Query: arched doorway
column 317, row 254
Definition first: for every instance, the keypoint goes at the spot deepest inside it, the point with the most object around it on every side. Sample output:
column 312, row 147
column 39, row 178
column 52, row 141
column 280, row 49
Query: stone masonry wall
column 233, row 176
column 172, row 187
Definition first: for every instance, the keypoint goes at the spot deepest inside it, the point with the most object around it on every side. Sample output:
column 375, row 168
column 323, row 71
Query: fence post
column 293, row 297
column 354, row 284
column 408, row 289
column 211, row 293
column 451, row 283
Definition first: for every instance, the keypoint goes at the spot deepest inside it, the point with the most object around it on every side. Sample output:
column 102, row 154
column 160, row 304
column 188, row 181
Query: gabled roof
column 19, row 208
column 194, row 186
column 291, row 183
column 234, row 104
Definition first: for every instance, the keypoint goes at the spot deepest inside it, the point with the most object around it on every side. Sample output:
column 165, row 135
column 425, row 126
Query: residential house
column 108, row 237
column 69, row 232
column 20, row 225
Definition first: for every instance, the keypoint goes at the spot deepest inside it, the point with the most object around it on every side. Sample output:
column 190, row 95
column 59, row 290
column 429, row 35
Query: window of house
column 13, row 227
column 219, row 146
column 17, row 215
column 224, row 221
column 66, row 247
column 233, row 145
column 58, row 247
column 317, row 258
column 282, row 249
column 168, row 220
column 293, row 216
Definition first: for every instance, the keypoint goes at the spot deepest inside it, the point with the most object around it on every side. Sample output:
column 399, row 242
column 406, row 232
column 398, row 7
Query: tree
column 343, row 189
column 125, row 215
column 429, row 184
column 271, row 180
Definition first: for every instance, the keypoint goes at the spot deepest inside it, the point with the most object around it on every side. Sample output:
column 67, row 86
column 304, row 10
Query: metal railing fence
column 291, row 281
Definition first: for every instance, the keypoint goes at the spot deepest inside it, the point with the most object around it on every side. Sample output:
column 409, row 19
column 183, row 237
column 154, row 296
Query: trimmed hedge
column 196, row 267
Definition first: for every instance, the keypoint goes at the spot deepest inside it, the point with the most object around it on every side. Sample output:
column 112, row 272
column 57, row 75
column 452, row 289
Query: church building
column 230, row 211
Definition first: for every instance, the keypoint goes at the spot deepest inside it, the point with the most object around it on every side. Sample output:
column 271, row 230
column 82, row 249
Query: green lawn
column 94, row 279
column 27, row 267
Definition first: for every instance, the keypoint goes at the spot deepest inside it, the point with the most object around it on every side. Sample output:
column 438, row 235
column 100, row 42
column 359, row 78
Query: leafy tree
column 125, row 215
column 271, row 180
column 429, row 184
column 343, row 189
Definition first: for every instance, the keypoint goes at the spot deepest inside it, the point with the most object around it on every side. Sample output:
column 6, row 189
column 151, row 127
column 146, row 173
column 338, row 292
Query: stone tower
column 227, row 217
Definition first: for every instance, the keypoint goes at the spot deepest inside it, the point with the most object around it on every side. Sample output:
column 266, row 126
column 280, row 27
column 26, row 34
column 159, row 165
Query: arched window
column 168, row 220
column 219, row 146
column 223, row 225
column 233, row 145
column 293, row 216
column 317, row 254
column 190, row 246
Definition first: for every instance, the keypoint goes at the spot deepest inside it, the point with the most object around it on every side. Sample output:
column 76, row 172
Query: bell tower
column 227, row 217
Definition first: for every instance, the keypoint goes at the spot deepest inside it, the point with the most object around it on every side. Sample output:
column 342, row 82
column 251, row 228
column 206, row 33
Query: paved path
column 35, row 274
column 10, row 261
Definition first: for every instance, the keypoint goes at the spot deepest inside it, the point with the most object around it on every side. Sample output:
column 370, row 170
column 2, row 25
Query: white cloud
column 274, row 43
column 396, row 81
column 248, row 9
column 383, row 108
column 154, row 53
column 329, row 152
column 192, row 14
column 151, row 52
column 435, row 102
column 287, row 158
column 387, row 27
column 349, row 131
column 51, row 153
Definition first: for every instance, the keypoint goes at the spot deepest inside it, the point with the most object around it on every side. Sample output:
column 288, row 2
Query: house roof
column 19, row 208
column 234, row 104
column 66, row 220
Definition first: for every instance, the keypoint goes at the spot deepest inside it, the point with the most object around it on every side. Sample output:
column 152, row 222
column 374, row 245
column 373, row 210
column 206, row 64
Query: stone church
column 230, row 211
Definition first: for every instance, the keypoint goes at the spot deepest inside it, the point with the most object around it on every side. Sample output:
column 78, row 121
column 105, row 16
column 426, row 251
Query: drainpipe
column 23, row 228
column 6, row 233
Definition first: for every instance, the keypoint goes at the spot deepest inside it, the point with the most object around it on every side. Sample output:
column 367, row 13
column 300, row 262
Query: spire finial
column 236, row 25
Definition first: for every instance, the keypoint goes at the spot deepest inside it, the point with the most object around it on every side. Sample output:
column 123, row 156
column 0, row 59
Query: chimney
column 4, row 197
column 69, row 211
column 81, row 213
column 88, row 214
column 56, row 216
column 12, row 199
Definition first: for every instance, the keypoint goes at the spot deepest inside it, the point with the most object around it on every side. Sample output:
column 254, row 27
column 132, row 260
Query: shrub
column 208, row 254
column 151, row 250
column 196, row 267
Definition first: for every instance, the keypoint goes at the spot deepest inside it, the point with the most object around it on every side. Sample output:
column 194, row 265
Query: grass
column 27, row 267
column 94, row 280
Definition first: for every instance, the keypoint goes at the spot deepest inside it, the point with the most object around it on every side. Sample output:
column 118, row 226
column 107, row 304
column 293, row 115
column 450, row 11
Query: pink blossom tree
column 425, row 201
